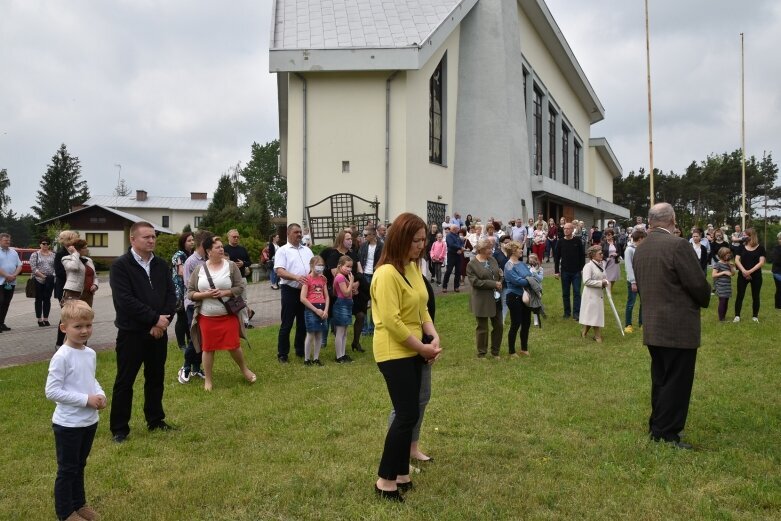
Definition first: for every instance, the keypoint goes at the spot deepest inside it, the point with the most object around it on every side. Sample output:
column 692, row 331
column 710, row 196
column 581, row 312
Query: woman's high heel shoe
column 358, row 347
column 390, row 495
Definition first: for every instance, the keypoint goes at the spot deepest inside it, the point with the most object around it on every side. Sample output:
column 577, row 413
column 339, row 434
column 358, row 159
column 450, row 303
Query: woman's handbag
column 233, row 305
column 29, row 288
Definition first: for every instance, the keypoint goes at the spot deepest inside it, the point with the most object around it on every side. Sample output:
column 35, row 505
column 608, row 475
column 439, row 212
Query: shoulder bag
column 233, row 305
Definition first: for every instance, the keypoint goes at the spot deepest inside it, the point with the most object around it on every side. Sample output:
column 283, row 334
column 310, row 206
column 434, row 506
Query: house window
column 551, row 142
column 576, row 169
column 564, row 155
column 97, row 240
column 437, row 114
column 197, row 221
column 537, row 151
column 166, row 221
column 97, row 220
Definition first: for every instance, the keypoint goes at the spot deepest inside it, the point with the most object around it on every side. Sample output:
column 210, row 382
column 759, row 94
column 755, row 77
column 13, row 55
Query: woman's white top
column 697, row 249
column 212, row 307
column 70, row 381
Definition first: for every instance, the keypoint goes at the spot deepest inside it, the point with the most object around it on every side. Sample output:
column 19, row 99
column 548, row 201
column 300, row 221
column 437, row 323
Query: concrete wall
column 425, row 181
column 599, row 178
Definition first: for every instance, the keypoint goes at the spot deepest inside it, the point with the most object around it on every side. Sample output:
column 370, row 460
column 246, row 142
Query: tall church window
column 551, row 142
column 437, row 113
column 576, row 169
column 537, row 152
column 564, row 154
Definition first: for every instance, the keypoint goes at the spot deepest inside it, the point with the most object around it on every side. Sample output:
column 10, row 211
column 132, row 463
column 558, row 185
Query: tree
column 5, row 183
column 122, row 189
column 22, row 228
column 61, row 186
column 223, row 210
column 265, row 191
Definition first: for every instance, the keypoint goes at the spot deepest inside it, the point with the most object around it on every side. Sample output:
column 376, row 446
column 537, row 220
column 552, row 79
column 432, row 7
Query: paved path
column 26, row 342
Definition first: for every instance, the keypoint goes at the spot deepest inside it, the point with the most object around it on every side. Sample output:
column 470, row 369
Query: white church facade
column 435, row 107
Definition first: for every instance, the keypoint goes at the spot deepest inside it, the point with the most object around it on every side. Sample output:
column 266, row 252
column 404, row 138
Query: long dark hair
column 183, row 239
column 395, row 251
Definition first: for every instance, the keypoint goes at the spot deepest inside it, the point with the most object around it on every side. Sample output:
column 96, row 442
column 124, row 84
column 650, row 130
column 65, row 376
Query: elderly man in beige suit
column 673, row 289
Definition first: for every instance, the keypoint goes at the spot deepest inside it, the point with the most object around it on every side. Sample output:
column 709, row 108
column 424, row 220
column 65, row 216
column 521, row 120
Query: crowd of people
column 378, row 280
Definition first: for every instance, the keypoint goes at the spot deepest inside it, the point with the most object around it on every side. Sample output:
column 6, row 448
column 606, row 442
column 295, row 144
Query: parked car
column 24, row 254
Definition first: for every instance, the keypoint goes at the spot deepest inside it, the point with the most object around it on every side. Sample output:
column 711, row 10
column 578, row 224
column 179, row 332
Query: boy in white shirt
column 72, row 386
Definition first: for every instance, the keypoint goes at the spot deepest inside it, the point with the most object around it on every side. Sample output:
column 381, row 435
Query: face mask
column 319, row 269
column 348, row 243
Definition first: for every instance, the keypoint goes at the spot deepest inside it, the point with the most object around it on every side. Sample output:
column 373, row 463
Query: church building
column 435, row 106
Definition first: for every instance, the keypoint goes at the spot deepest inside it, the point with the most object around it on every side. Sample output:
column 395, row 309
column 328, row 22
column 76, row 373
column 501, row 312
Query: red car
column 24, row 254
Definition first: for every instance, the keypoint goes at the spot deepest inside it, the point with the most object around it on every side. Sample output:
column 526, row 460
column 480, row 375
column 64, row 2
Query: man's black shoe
column 119, row 438
column 162, row 426
column 678, row 444
column 3, row 327
column 282, row 359
column 249, row 326
column 565, row 316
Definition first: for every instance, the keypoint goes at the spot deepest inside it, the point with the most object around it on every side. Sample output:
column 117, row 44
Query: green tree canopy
column 5, row 184
column 265, row 191
column 61, row 186
column 709, row 192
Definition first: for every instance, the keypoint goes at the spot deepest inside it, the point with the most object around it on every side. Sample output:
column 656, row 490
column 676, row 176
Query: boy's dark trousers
column 73, row 446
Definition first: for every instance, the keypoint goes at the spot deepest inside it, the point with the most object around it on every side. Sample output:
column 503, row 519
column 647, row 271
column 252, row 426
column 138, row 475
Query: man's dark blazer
column 140, row 300
column 673, row 288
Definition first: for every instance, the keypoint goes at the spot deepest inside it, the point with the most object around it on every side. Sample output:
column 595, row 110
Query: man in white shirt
column 291, row 262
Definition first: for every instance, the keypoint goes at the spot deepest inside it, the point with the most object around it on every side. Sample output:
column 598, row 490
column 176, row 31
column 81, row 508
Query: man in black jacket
column 572, row 257
column 145, row 301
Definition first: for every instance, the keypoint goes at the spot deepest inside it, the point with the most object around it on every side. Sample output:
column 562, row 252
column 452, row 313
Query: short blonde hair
column 513, row 247
column 67, row 237
column 74, row 310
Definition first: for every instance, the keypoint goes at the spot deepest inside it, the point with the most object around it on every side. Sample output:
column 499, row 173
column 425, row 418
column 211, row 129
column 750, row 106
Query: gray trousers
column 425, row 396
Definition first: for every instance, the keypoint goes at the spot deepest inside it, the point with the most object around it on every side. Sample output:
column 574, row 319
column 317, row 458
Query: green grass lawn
column 558, row 435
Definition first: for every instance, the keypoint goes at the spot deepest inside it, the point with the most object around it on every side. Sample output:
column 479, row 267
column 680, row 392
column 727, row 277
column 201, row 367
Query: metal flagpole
column 650, row 112
column 742, row 134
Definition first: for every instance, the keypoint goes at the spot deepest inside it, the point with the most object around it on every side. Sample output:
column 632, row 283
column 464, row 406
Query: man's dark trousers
column 453, row 263
column 5, row 301
column 292, row 310
column 572, row 279
column 134, row 349
column 672, row 377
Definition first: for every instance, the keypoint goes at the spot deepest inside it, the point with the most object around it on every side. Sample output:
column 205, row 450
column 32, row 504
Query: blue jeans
column 273, row 277
column 571, row 279
column 630, row 305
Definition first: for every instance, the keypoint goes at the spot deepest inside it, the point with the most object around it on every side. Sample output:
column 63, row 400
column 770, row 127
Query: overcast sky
column 177, row 91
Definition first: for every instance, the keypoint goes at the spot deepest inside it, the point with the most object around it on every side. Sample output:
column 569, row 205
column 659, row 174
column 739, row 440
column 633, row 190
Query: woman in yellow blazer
column 404, row 339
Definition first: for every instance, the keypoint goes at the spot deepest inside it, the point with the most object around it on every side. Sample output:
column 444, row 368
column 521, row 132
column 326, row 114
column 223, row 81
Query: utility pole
column 650, row 112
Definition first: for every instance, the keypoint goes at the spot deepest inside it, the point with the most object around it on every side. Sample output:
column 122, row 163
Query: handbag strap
column 211, row 283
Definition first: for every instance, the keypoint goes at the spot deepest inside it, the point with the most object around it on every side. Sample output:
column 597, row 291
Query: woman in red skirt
column 213, row 327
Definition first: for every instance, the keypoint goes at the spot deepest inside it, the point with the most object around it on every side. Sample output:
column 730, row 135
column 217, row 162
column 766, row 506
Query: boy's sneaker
column 200, row 373
column 629, row 329
column 736, row 320
column 184, row 375
column 755, row 319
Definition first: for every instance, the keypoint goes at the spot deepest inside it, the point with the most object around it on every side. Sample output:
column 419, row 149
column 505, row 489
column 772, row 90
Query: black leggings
column 402, row 377
column 43, row 297
column 520, row 317
column 756, row 286
column 182, row 328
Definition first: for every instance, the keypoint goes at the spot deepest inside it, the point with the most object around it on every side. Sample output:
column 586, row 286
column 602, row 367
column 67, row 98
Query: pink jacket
column 438, row 250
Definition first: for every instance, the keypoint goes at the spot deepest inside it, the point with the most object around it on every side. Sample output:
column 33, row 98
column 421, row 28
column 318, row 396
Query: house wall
column 426, row 181
column 549, row 74
column 345, row 122
column 600, row 178
column 177, row 219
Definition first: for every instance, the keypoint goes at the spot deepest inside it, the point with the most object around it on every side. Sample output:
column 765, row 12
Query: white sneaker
column 183, row 376
column 736, row 320
column 755, row 319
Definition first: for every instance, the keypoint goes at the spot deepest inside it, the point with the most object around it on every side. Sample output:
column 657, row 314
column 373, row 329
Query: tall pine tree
column 61, row 186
